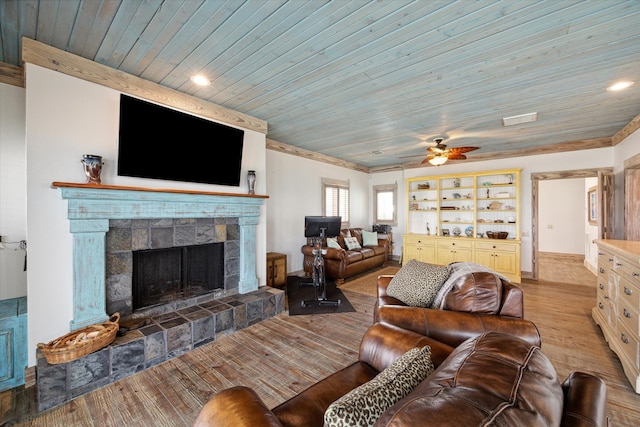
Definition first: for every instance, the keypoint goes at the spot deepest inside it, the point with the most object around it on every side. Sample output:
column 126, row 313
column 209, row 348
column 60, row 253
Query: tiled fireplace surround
column 108, row 223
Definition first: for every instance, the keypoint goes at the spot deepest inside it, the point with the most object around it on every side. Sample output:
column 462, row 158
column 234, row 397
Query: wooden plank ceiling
column 369, row 82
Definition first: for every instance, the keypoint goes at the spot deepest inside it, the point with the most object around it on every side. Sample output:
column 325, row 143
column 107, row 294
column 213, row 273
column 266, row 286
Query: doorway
column 605, row 207
column 632, row 198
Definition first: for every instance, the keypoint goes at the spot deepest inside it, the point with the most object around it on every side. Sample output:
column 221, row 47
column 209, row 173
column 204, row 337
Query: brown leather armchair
column 507, row 378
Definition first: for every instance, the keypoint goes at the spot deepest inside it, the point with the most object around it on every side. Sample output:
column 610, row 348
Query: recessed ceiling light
column 376, row 152
column 200, row 80
column 619, row 86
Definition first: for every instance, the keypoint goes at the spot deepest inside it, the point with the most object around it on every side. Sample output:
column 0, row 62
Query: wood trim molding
column 585, row 144
column 629, row 128
column 577, row 173
column 40, row 54
column 11, row 74
column 312, row 155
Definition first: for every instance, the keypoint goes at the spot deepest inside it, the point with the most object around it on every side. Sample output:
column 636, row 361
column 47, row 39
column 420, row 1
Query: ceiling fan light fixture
column 438, row 160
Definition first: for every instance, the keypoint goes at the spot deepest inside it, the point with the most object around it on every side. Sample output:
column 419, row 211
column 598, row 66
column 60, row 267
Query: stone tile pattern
column 167, row 336
column 126, row 236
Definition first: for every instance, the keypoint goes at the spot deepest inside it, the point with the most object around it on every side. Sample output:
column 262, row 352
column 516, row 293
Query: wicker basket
column 497, row 234
column 81, row 342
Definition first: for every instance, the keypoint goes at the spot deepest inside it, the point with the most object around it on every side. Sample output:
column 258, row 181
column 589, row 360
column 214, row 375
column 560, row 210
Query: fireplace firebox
column 161, row 276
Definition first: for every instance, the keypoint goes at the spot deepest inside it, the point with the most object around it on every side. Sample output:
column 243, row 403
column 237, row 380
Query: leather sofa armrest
column 383, row 343
column 512, row 300
column 452, row 327
column 237, row 406
column 383, row 283
column 585, row 401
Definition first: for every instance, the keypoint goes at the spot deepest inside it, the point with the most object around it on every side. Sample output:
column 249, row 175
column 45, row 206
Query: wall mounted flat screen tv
column 160, row 143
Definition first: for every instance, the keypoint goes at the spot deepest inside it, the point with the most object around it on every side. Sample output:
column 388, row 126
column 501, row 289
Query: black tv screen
column 161, row 143
column 322, row 226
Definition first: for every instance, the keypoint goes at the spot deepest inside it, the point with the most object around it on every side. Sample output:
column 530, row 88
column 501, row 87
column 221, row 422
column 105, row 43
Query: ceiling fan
column 440, row 153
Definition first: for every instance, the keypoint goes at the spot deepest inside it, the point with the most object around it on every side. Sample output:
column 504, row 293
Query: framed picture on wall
column 592, row 205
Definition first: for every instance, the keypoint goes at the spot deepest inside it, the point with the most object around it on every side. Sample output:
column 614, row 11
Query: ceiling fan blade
column 462, row 149
column 456, row 156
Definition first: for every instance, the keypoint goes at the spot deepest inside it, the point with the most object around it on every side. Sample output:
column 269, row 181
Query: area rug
column 296, row 294
column 366, row 283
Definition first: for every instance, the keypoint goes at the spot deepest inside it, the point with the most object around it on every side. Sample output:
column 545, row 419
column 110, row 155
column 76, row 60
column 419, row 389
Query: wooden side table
column 276, row 269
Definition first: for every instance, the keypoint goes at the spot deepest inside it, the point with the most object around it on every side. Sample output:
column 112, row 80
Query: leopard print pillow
column 417, row 283
column 362, row 406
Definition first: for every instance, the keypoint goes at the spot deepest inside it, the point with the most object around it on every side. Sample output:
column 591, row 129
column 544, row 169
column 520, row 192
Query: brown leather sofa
column 492, row 378
column 342, row 263
column 476, row 292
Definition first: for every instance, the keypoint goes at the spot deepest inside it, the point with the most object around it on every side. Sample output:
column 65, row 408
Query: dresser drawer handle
column 601, row 286
column 601, row 270
column 627, row 291
column 634, row 274
column 601, row 306
column 626, row 313
column 624, row 338
column 618, row 264
column 610, row 259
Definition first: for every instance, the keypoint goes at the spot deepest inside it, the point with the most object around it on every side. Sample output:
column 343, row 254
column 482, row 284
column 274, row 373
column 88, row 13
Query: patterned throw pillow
column 332, row 242
column 369, row 238
column 352, row 243
column 362, row 406
column 417, row 283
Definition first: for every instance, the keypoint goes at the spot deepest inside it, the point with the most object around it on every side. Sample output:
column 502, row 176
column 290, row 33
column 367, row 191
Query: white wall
column 561, row 220
column 66, row 118
column 13, row 195
column 294, row 185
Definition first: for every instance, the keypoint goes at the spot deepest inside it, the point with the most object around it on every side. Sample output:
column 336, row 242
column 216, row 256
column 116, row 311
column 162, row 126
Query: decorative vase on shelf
column 251, row 180
column 92, row 167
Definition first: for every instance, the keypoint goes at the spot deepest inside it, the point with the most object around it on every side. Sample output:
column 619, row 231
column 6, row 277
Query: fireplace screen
column 161, row 276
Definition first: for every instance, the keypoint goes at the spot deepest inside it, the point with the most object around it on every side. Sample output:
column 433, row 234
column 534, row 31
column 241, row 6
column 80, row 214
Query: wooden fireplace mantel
column 59, row 184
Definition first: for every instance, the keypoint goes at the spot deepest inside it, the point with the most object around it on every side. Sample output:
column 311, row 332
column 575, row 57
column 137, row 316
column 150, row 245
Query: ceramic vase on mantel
column 92, row 167
column 251, row 181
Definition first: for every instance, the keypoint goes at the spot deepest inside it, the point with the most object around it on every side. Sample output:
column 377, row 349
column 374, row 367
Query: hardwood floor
column 283, row 355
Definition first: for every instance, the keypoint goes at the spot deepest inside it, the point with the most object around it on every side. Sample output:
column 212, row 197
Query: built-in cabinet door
column 13, row 342
column 454, row 250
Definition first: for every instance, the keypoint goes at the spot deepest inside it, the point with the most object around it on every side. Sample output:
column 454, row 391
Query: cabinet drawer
column 605, row 260
column 629, row 317
column 627, row 270
column 493, row 246
column 629, row 346
column 628, row 294
column 460, row 244
column 419, row 240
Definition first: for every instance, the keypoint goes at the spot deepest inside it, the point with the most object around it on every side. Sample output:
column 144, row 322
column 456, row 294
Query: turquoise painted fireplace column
column 90, row 207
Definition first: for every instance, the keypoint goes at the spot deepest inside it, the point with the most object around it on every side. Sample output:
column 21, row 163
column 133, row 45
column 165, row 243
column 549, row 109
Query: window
column 336, row 199
column 384, row 204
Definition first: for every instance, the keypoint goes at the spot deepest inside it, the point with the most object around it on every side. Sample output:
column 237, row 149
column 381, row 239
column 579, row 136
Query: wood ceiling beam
column 312, row 155
column 11, row 74
column 40, row 54
column 629, row 128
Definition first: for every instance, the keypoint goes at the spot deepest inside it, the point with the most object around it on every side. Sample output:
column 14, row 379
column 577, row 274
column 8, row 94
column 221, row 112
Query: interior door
column 606, row 228
column 632, row 204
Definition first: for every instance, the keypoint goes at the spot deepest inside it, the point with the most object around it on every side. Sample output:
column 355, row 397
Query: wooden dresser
column 617, row 307
column 276, row 269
